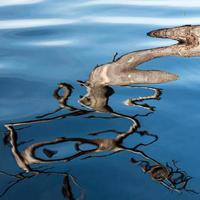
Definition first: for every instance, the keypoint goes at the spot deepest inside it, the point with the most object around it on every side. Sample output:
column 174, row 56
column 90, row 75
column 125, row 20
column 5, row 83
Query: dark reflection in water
column 121, row 71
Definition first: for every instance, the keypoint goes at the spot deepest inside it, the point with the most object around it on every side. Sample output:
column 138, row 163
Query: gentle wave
column 53, row 43
column 18, row 2
column 145, row 20
column 156, row 3
column 31, row 23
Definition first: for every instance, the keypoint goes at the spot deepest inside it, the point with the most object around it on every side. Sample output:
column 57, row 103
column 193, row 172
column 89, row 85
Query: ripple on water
column 4, row 3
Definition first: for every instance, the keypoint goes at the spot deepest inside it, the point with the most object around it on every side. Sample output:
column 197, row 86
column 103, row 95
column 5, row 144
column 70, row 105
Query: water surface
column 44, row 43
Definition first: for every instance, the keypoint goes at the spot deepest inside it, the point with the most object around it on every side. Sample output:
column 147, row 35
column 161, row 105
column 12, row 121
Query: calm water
column 46, row 42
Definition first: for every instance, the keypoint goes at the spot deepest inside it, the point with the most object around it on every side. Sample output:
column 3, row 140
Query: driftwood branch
column 124, row 70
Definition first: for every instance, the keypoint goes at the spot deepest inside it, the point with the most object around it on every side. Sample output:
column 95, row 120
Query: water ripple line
column 146, row 3
column 32, row 23
column 4, row 3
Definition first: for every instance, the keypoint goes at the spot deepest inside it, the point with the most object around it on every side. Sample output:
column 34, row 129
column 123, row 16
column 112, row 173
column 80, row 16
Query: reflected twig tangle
column 122, row 71
column 173, row 178
column 28, row 157
column 62, row 99
column 67, row 178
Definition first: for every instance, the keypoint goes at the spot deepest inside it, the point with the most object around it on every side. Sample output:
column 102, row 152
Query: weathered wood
column 123, row 71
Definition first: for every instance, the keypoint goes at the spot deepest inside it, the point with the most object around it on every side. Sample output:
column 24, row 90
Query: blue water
column 45, row 42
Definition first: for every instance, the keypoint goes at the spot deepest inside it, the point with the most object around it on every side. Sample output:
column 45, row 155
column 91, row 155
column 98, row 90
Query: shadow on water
column 121, row 72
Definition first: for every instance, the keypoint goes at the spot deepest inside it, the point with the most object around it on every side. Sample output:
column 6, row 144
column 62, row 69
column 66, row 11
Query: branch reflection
column 121, row 72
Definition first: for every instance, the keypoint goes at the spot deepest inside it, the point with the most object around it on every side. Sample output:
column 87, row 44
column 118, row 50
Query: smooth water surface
column 46, row 42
